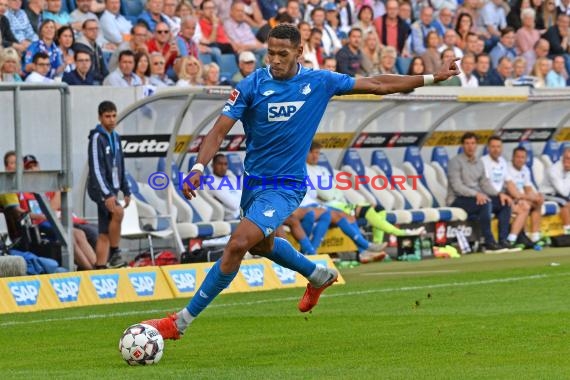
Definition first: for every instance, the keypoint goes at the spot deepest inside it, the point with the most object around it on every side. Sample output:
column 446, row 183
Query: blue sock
column 321, row 229
column 213, row 284
column 307, row 222
column 285, row 255
column 306, row 246
column 353, row 233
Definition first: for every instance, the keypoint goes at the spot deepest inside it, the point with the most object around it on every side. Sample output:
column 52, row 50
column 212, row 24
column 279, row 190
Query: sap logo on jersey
column 184, row 279
column 282, row 111
column 105, row 285
column 25, row 293
column 253, row 274
column 67, row 289
column 286, row 275
column 143, row 283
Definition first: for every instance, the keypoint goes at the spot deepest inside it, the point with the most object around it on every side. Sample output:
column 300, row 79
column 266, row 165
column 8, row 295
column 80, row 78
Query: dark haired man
column 280, row 107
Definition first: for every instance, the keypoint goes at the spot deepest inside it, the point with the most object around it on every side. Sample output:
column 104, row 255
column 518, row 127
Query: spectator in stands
column 493, row 19
column 7, row 38
column 450, row 42
column 420, row 30
column 189, row 72
column 211, row 74
column 405, row 13
column 137, row 44
column 503, row 72
column 305, row 31
column 40, row 69
column 470, row 189
column 391, row 29
column 349, row 57
column 158, row 75
column 20, row 25
column 555, row 77
column 254, row 17
column 330, row 42
column 540, row 50
column 105, row 179
column 81, row 14
column 563, row 7
column 45, row 44
column 312, row 50
column 497, row 171
column 241, row 35
column 184, row 9
column 114, row 26
column 556, row 187
column 169, row 13
column 10, row 66
column 504, row 48
column 311, row 5
column 467, row 77
column 228, row 196
column 246, row 66
column 185, row 39
column 540, row 71
column 366, row 21
column 482, row 69
column 142, row 67
column 263, row 32
column 213, row 32
column 370, row 55
column 54, row 12
column 523, row 191
column 558, row 37
column 81, row 75
column 472, row 45
column 519, row 77
column 463, row 28
column 527, row 35
column 448, row 55
column 431, row 56
column 270, row 8
column 164, row 43
column 514, row 16
column 472, row 8
column 124, row 76
column 549, row 15
column 34, row 11
column 88, row 42
column 388, row 60
column 332, row 19
column 329, row 64
column 65, row 39
column 417, row 66
column 444, row 20
column 153, row 14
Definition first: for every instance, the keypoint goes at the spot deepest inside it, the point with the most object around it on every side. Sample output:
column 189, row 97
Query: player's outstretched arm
column 390, row 84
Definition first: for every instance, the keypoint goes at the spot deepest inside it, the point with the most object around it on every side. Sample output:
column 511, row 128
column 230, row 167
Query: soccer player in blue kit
column 280, row 107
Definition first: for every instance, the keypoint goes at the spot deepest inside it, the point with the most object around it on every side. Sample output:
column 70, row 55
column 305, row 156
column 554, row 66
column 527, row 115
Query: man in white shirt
column 523, row 192
column 114, row 26
column 124, row 75
column 227, row 192
column 41, row 67
column 467, row 67
column 496, row 169
column 556, row 187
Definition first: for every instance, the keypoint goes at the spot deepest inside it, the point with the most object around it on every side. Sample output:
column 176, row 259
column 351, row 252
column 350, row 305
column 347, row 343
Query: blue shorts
column 268, row 207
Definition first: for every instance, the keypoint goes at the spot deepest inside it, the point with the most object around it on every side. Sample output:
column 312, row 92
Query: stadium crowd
column 218, row 42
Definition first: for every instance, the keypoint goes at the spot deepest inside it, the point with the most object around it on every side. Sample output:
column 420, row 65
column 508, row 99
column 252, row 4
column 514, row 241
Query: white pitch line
column 408, row 272
column 287, row 299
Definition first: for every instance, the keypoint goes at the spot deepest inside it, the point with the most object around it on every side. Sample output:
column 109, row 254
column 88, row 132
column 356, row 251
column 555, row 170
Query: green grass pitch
column 479, row 317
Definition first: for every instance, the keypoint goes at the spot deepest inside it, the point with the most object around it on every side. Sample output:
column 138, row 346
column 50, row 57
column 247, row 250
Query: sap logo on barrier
column 143, row 283
column 282, row 111
column 67, row 289
column 105, row 285
column 253, row 274
column 286, row 275
column 184, row 279
column 25, row 293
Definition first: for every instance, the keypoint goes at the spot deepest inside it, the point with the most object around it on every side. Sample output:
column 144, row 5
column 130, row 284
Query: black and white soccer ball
column 141, row 344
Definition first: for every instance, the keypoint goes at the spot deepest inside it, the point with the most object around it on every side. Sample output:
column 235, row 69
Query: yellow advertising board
column 334, row 241
column 444, row 138
column 334, row 140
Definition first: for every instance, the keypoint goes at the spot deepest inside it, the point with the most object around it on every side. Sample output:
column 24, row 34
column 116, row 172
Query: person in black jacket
column 558, row 36
column 6, row 36
column 106, row 178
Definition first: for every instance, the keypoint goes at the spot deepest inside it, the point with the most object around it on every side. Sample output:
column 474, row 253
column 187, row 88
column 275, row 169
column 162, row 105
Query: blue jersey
column 280, row 117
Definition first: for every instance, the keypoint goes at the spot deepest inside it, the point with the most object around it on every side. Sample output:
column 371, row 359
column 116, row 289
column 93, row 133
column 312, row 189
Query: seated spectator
column 548, row 16
column 471, row 45
column 55, row 13
column 169, row 13
column 189, row 72
column 349, row 57
column 555, row 77
column 241, row 35
column 20, row 25
column 246, row 66
column 444, row 19
column 523, row 192
column 137, row 44
column 540, row 50
column 556, row 187
column 391, row 29
column 503, row 72
column 417, row 66
column 558, row 37
column 504, row 48
column 431, row 55
column 420, row 29
column 152, row 15
column 185, row 39
column 365, row 21
column 370, row 55
column 540, row 71
column 158, row 75
column 163, row 43
column 255, row 19
column 387, row 60
column 492, row 20
column 211, row 74
column 482, row 69
column 142, row 67
column 330, row 42
column 88, row 42
column 184, row 9
column 7, row 38
column 405, row 13
column 526, row 37
column 519, row 78
column 81, row 14
column 519, row 67
column 281, row 18
column 450, row 42
column 467, row 76
column 470, row 189
column 34, row 11
column 334, row 21
column 213, row 32
column 270, row 8
column 115, row 27
column 64, row 38
column 40, row 69
column 10, row 65
column 329, row 64
column 448, row 55
column 124, row 76
column 312, row 49
column 81, row 75
column 45, row 44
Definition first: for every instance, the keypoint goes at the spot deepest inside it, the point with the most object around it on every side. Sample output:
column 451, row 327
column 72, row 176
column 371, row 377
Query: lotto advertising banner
column 254, row 275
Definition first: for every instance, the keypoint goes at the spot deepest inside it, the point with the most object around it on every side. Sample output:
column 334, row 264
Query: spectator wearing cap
column 82, row 75
column 333, row 20
column 240, row 33
column 41, row 67
column 349, row 58
column 391, row 29
column 246, row 65
column 505, row 47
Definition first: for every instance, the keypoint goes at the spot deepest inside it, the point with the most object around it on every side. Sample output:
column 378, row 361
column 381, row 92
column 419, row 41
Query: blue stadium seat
column 235, row 164
column 228, row 66
column 324, row 161
column 439, row 155
column 563, row 146
column 403, row 65
column 161, row 222
column 132, row 9
column 413, row 157
column 460, row 150
column 552, row 151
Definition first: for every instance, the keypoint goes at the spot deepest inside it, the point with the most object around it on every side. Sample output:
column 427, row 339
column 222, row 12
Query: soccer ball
column 141, row 344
